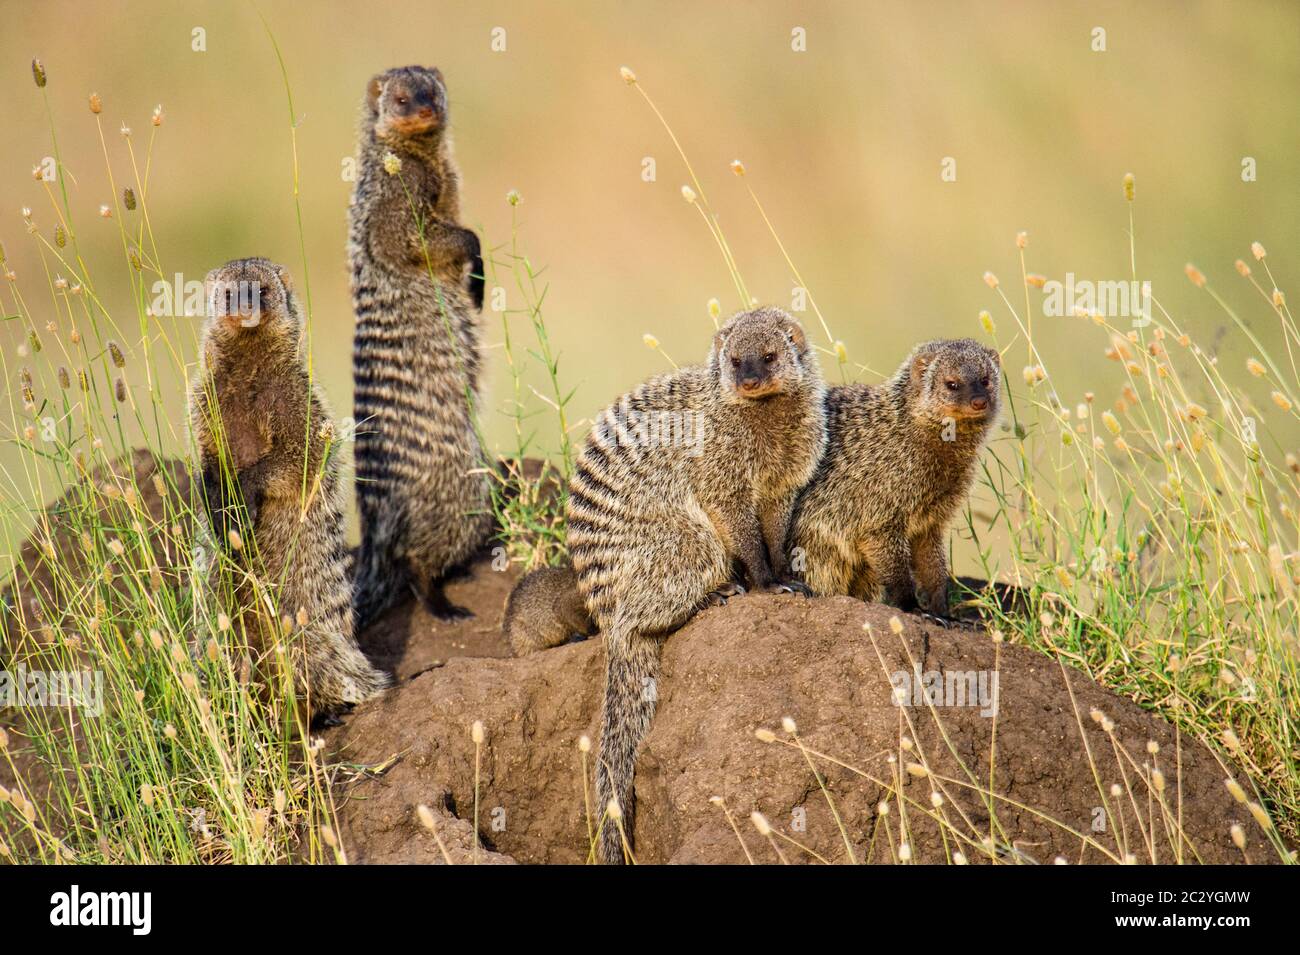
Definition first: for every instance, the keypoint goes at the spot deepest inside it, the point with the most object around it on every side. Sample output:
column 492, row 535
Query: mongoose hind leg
column 435, row 600
column 889, row 561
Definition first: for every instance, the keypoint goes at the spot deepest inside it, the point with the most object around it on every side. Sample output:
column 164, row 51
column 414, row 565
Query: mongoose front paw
column 789, row 586
column 720, row 596
column 934, row 601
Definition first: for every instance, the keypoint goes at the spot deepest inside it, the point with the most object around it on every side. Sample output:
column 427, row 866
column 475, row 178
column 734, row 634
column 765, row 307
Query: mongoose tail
column 631, row 677
column 378, row 584
column 545, row 609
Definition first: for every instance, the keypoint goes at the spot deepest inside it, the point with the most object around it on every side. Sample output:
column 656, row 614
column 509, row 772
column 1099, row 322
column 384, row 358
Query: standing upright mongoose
column 272, row 501
column 680, row 479
column 899, row 463
column 416, row 287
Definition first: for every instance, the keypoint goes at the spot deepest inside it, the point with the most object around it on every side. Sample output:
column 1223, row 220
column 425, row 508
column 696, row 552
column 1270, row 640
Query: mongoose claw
column 720, row 596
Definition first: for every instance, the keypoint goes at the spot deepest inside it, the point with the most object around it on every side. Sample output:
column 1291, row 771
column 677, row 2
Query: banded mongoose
column 272, row 502
column 545, row 609
column 417, row 284
column 681, row 478
column 900, row 462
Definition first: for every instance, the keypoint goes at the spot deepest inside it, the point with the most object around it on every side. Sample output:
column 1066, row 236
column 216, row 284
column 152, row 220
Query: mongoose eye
column 735, row 363
column 985, row 381
column 402, row 101
column 951, row 385
column 770, row 357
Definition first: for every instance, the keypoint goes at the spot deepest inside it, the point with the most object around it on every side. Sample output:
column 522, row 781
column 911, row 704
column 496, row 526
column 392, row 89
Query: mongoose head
column 249, row 296
column 406, row 103
column 759, row 354
column 955, row 379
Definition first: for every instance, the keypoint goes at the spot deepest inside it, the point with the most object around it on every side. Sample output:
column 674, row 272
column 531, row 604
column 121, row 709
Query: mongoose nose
column 426, row 112
column 979, row 404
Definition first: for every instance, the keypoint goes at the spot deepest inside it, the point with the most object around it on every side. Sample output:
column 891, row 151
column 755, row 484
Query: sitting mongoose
column 545, row 609
column 900, row 462
column 271, row 498
column 685, row 476
column 421, row 487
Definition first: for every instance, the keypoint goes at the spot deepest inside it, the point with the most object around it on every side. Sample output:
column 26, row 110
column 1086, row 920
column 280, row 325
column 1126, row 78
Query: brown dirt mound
column 731, row 670
column 737, row 668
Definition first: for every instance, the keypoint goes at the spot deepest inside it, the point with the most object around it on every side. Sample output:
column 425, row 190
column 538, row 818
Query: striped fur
column 900, row 462
column 261, row 431
column 654, row 529
column 424, row 512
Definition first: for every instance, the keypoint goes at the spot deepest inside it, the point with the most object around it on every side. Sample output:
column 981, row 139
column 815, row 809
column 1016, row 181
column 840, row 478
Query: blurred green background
column 843, row 142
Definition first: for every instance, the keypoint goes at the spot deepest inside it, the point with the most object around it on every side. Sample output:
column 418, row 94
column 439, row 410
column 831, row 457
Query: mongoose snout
column 409, row 102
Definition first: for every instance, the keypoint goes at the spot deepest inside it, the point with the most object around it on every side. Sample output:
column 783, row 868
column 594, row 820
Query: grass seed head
column 38, row 73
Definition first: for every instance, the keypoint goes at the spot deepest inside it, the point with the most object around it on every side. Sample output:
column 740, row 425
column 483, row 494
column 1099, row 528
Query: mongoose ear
column 373, row 89
column 719, row 342
column 283, row 275
column 920, row 362
column 797, row 337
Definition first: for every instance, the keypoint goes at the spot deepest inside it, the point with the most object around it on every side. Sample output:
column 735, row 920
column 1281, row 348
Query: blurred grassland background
column 842, row 142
